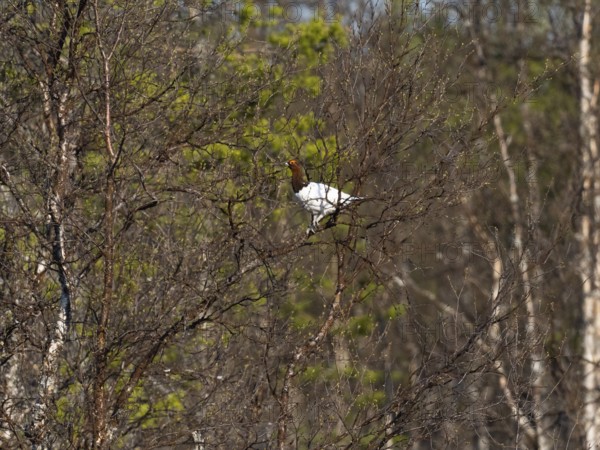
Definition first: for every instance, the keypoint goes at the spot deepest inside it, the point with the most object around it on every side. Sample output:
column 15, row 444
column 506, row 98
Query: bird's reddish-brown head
column 294, row 164
column 298, row 180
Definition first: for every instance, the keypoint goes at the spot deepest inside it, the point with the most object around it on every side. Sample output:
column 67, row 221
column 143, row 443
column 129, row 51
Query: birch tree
column 589, row 232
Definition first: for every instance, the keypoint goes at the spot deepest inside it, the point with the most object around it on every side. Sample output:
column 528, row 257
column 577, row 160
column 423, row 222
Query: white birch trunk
column 589, row 235
column 532, row 302
column 55, row 116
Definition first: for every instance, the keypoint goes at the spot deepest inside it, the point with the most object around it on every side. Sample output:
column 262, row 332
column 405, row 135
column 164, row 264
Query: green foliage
column 373, row 376
column 171, row 402
column 149, row 412
column 361, row 325
column 139, row 408
column 373, row 398
column 312, row 373
column 396, row 311
column 314, row 41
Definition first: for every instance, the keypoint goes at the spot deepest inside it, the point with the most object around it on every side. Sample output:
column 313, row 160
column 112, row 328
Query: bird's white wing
column 322, row 199
column 336, row 197
column 314, row 197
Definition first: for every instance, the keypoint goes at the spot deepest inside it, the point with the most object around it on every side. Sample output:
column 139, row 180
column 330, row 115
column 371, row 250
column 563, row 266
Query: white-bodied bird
column 318, row 198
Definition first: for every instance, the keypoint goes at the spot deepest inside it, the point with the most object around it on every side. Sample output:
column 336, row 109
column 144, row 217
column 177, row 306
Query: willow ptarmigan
column 318, row 198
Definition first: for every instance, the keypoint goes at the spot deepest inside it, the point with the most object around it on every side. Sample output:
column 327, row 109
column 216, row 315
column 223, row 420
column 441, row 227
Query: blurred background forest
column 157, row 287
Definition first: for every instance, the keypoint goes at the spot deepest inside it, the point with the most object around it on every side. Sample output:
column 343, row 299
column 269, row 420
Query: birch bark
column 589, row 234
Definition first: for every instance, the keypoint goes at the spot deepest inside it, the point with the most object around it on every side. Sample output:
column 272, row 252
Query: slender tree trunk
column 342, row 363
column 102, row 429
column 589, row 234
column 532, row 302
column 56, row 124
column 537, row 326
